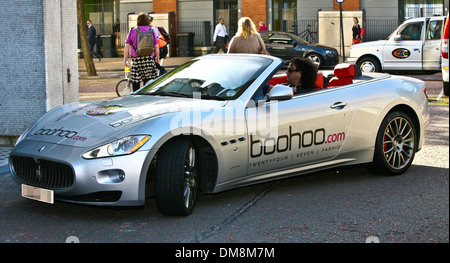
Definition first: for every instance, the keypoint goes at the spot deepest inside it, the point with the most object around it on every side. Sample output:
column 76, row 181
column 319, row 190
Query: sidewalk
column 116, row 64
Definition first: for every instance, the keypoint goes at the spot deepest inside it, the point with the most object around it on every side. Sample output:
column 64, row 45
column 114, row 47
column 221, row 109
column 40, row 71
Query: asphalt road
column 342, row 205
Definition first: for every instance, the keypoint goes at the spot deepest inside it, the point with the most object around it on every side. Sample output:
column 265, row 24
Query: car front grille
column 43, row 173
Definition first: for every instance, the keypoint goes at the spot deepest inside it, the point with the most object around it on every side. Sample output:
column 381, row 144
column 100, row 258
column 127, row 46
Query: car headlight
column 124, row 146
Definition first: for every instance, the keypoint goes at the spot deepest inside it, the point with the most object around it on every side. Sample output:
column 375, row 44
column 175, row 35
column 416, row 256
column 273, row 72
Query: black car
column 287, row 45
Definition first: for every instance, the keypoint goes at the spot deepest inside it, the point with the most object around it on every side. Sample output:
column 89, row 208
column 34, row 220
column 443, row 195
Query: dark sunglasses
column 290, row 70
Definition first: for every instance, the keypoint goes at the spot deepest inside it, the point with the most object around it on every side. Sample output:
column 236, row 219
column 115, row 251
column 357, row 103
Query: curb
column 4, row 169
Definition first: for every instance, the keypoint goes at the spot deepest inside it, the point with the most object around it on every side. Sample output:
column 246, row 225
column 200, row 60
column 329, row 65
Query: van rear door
column 432, row 45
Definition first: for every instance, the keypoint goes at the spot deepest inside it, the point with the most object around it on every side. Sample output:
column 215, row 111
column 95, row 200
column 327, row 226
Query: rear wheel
column 177, row 177
column 446, row 88
column 395, row 146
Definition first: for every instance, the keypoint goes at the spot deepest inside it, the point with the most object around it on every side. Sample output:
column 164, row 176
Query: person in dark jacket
column 92, row 40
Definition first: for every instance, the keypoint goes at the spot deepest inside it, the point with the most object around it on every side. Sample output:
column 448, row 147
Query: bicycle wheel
column 122, row 88
column 312, row 37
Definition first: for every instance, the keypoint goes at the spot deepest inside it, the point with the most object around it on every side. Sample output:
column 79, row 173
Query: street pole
column 342, row 32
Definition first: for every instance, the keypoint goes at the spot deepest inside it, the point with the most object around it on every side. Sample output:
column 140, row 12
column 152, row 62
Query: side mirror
column 398, row 38
column 280, row 92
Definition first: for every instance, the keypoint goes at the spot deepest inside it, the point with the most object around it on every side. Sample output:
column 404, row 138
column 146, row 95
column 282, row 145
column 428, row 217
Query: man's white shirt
column 220, row 31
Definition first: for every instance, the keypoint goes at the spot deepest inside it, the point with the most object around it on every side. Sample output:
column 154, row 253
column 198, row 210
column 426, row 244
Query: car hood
column 378, row 43
column 87, row 125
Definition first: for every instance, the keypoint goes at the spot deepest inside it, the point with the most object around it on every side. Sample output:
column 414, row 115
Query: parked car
column 206, row 126
column 287, row 46
column 444, row 53
column 413, row 46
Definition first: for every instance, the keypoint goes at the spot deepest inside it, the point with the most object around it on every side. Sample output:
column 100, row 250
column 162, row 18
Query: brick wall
column 165, row 6
column 256, row 10
column 349, row 5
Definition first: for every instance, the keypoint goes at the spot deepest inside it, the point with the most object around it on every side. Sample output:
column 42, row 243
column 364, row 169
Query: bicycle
column 308, row 35
column 124, row 86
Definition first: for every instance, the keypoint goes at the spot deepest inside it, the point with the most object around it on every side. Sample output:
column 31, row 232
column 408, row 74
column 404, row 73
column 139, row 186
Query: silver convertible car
column 207, row 127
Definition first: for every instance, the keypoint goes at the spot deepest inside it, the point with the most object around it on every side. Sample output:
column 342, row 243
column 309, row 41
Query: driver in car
column 301, row 76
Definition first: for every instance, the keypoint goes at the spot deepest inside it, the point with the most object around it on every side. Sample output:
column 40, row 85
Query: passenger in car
column 301, row 76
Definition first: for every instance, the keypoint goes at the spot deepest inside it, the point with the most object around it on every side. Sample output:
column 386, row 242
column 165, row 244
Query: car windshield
column 214, row 77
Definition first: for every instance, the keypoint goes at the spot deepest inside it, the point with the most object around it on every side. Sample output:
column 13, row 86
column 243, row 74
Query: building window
column 228, row 10
column 284, row 14
column 420, row 8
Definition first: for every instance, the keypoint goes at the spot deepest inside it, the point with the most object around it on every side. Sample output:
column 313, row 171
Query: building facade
column 380, row 16
column 41, row 66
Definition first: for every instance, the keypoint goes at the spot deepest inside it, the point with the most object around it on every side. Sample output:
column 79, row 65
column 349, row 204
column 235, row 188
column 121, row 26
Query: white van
column 414, row 46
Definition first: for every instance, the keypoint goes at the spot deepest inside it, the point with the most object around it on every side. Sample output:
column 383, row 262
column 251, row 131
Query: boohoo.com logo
column 60, row 133
column 296, row 140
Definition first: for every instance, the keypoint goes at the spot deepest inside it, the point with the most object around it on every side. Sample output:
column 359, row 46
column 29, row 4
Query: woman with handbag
column 356, row 29
column 247, row 39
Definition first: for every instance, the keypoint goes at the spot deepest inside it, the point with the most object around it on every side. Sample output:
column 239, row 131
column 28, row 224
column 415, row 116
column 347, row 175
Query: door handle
column 338, row 105
column 417, row 50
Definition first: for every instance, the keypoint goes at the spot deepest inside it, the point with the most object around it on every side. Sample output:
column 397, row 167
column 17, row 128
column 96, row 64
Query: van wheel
column 177, row 178
column 395, row 145
column 446, row 88
column 369, row 65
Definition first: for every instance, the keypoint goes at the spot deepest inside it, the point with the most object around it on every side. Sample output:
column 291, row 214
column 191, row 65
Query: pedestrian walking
column 163, row 50
column 142, row 46
column 247, row 39
column 220, row 37
column 92, row 40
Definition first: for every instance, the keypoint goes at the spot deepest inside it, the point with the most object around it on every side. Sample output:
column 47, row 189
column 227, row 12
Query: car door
column 280, row 45
column 403, row 50
column 432, row 45
column 292, row 133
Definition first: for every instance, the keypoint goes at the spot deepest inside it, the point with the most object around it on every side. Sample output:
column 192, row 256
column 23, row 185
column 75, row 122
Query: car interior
column 343, row 74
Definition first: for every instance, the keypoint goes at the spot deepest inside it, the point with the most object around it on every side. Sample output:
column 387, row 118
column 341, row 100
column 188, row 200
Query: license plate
column 38, row 194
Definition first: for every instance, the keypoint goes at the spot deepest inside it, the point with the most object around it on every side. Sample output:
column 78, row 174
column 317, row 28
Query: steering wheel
column 196, row 85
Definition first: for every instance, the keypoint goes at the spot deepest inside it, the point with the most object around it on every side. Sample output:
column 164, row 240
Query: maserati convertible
column 206, row 126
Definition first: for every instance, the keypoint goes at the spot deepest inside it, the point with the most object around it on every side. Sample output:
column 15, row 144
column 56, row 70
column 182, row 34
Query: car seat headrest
column 345, row 70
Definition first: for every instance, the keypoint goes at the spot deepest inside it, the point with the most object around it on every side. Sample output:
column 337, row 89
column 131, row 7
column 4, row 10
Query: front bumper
column 118, row 181
column 445, row 73
column 351, row 60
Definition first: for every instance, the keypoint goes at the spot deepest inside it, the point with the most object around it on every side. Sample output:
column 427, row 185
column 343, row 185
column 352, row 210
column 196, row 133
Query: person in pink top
column 143, row 68
column 262, row 26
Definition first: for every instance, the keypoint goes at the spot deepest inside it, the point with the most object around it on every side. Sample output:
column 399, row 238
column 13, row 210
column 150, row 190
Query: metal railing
column 202, row 29
column 376, row 29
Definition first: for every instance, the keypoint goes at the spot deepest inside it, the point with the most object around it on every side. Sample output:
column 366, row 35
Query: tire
column 122, row 89
column 395, row 145
column 316, row 59
column 446, row 88
column 369, row 65
column 177, row 178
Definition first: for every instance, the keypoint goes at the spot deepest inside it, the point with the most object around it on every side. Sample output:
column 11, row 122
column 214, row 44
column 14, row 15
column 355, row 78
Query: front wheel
column 316, row 59
column 446, row 89
column 123, row 88
column 177, row 177
column 395, row 145
column 368, row 65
